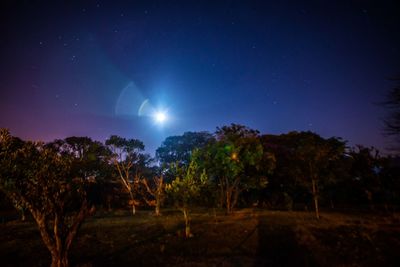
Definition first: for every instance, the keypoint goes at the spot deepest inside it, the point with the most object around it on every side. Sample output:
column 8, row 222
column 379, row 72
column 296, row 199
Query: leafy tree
column 234, row 161
column 314, row 156
column 90, row 157
column 305, row 162
column 283, row 189
column 179, row 148
column 186, row 187
column 45, row 183
column 126, row 155
column 13, row 143
column 91, row 161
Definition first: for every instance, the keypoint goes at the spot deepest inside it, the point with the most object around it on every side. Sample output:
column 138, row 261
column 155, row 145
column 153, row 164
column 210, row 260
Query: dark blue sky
column 85, row 68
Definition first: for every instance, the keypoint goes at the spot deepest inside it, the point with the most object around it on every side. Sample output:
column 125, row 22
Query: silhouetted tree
column 365, row 172
column 314, row 155
column 179, row 148
column 90, row 160
column 90, row 157
column 304, row 162
column 283, row 188
column 392, row 121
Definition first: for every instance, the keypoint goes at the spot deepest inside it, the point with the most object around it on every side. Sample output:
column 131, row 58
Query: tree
column 90, row 160
column 185, row 188
column 179, row 148
column 234, row 161
column 156, row 191
column 283, row 189
column 365, row 171
column 306, row 163
column 90, row 157
column 45, row 183
column 392, row 121
column 126, row 154
column 13, row 143
column 314, row 156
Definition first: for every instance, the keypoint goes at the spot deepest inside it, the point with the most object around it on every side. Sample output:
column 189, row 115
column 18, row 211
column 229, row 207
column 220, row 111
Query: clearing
column 246, row 238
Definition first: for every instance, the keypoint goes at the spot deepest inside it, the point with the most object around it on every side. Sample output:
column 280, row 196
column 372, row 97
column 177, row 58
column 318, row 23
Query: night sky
column 85, row 68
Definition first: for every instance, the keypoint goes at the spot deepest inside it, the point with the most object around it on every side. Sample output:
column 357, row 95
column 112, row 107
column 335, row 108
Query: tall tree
column 186, row 188
column 156, row 191
column 127, row 156
column 392, row 121
column 47, row 184
column 233, row 161
column 314, row 156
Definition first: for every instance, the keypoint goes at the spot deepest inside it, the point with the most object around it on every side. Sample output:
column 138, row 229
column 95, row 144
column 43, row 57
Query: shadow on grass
column 277, row 246
column 140, row 250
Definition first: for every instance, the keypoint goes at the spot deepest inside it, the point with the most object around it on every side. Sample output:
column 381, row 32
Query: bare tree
column 126, row 154
column 156, row 191
column 392, row 120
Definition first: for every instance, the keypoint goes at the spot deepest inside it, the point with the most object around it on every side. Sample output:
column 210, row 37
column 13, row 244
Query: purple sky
column 85, row 68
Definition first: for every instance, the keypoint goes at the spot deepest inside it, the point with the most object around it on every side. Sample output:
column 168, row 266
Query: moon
column 160, row 117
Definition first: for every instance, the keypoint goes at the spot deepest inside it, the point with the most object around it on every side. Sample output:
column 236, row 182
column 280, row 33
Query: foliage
column 90, row 157
column 234, row 161
column 186, row 187
column 47, row 184
column 305, row 163
column 178, row 149
column 128, row 159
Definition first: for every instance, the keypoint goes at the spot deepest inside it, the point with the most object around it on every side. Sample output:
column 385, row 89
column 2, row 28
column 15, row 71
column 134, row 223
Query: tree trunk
column 228, row 201
column 187, row 223
column 157, row 208
column 222, row 195
column 133, row 209
column 332, row 204
column 59, row 259
column 133, row 203
column 235, row 198
column 23, row 217
column 109, row 204
column 57, row 248
column 315, row 196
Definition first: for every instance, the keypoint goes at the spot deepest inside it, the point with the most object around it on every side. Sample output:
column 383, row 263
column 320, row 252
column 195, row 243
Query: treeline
column 62, row 182
column 297, row 170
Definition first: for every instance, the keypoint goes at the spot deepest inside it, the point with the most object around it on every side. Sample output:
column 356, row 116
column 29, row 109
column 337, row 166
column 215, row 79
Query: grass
column 246, row 238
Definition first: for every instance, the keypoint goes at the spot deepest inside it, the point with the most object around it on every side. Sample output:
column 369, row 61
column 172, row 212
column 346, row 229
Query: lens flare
column 160, row 117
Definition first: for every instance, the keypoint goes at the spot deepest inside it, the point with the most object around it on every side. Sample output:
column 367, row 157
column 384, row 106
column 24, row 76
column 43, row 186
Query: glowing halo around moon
column 145, row 108
column 159, row 116
column 130, row 98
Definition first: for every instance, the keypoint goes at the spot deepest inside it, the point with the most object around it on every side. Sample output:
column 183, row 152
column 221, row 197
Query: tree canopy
column 46, row 182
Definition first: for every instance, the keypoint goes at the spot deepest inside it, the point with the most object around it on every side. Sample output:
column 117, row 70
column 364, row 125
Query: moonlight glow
column 160, row 117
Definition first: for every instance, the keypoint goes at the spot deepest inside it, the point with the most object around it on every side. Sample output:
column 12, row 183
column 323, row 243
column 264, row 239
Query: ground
column 246, row 238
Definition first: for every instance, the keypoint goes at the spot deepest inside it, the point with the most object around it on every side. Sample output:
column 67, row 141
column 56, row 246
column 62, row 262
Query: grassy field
column 246, row 238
